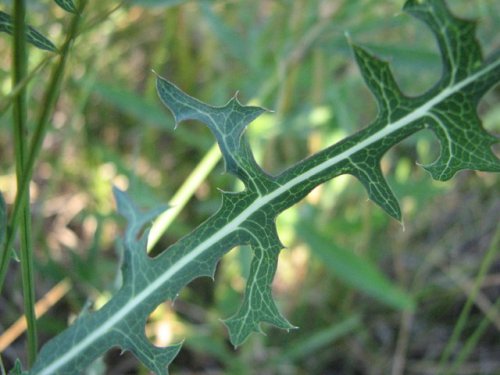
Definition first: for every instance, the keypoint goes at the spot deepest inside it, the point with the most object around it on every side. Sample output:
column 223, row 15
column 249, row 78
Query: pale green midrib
column 256, row 205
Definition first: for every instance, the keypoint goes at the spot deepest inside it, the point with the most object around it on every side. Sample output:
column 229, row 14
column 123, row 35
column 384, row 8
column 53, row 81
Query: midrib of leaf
column 247, row 217
column 390, row 128
column 259, row 203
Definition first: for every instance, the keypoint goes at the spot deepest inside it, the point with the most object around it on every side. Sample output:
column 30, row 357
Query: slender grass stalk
column 20, row 114
column 42, row 306
column 21, row 85
column 101, row 17
column 471, row 342
column 303, row 348
column 46, row 110
column 181, row 197
column 464, row 314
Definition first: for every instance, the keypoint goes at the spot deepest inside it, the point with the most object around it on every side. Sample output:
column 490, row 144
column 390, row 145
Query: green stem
column 21, row 85
column 47, row 108
column 472, row 341
column 464, row 314
column 20, row 110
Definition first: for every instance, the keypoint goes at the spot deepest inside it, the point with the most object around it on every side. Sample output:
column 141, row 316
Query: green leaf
column 121, row 322
column 136, row 220
column 17, row 369
column 258, row 305
column 358, row 272
column 227, row 124
column 67, row 5
column 32, row 36
column 248, row 217
column 464, row 143
column 143, row 111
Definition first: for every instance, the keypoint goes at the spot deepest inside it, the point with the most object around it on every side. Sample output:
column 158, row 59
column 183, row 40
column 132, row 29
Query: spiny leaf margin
column 127, row 334
column 247, row 217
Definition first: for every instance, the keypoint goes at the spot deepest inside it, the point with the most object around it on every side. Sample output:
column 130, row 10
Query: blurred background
column 371, row 296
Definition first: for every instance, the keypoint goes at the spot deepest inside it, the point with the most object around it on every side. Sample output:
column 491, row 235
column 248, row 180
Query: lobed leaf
column 464, row 142
column 120, row 322
column 258, row 304
column 227, row 123
column 248, row 217
column 32, row 35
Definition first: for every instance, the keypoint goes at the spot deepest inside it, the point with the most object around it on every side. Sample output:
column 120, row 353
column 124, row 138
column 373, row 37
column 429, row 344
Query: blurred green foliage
column 291, row 57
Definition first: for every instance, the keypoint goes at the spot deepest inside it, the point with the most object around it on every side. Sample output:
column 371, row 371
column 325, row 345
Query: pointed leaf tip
column 67, row 5
column 380, row 80
column 248, row 216
column 240, row 326
column 460, row 50
column 32, row 35
column 347, row 35
column 258, row 305
column 227, row 123
column 154, row 358
column 136, row 219
column 370, row 175
column 17, row 369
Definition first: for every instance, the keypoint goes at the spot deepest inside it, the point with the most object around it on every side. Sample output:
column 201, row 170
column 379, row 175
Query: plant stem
column 46, row 110
column 472, row 341
column 15, row 90
column 464, row 314
column 20, row 110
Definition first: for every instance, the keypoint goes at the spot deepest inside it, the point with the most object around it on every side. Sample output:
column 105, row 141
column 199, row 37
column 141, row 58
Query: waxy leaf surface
column 248, row 217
